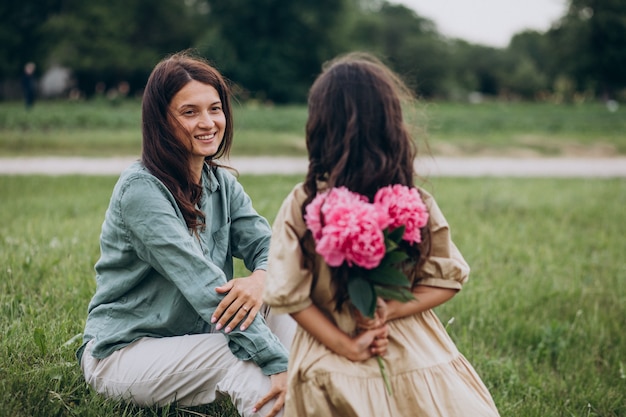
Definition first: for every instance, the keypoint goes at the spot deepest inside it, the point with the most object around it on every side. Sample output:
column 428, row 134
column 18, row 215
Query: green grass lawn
column 100, row 128
column 541, row 319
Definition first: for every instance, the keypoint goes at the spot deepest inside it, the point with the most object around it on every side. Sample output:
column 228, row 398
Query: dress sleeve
column 288, row 282
column 444, row 267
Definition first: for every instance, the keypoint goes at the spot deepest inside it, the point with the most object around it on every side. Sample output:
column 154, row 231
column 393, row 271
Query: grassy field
column 100, row 128
column 541, row 319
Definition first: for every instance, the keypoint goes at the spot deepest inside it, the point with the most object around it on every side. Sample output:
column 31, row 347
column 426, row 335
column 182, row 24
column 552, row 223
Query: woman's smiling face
column 198, row 109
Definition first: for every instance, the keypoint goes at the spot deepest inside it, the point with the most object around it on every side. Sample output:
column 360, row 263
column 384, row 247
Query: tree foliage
column 117, row 40
column 408, row 42
column 273, row 49
column 591, row 44
column 527, row 73
column 22, row 38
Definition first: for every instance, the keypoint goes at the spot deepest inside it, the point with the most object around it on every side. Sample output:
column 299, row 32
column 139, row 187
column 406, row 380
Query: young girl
column 168, row 322
column 356, row 138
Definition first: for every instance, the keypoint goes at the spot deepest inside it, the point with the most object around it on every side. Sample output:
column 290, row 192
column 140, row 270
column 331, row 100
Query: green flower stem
column 383, row 372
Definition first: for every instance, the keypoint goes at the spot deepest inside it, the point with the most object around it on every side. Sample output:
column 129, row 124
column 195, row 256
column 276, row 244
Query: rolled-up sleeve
column 444, row 266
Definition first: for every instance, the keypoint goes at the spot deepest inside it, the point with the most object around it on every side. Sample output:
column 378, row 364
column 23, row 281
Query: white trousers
column 191, row 370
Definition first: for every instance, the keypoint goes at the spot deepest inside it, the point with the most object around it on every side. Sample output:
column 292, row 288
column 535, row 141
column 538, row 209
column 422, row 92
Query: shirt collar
column 209, row 180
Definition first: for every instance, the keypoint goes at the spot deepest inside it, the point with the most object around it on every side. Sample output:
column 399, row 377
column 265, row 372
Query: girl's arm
column 426, row 298
column 359, row 348
column 443, row 272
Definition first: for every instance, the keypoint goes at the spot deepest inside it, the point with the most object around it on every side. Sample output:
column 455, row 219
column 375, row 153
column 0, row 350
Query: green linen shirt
column 156, row 279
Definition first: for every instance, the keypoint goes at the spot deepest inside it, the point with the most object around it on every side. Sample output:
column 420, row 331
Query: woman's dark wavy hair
column 164, row 154
column 356, row 135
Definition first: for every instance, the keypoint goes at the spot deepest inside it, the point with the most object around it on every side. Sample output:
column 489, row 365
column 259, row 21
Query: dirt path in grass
column 583, row 167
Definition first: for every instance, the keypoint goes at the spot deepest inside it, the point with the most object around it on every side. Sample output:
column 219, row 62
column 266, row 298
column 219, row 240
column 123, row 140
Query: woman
column 167, row 322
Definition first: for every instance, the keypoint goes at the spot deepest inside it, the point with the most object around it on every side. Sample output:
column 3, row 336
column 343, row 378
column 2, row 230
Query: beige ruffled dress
column 428, row 375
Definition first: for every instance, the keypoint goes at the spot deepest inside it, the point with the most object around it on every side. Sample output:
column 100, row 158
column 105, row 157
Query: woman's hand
column 277, row 391
column 244, row 298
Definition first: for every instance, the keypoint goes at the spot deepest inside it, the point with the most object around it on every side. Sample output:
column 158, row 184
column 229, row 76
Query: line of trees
column 272, row 49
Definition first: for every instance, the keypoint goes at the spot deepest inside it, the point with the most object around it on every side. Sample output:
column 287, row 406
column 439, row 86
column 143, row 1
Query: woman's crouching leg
column 189, row 370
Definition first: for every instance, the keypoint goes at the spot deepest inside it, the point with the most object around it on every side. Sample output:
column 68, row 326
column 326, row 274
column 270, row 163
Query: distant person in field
column 29, row 85
column 168, row 323
column 357, row 142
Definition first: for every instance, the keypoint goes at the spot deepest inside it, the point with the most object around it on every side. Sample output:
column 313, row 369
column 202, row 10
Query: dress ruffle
column 428, row 377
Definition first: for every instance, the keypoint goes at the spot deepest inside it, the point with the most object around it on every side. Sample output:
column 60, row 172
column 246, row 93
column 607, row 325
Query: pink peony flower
column 350, row 229
column 404, row 206
column 324, row 202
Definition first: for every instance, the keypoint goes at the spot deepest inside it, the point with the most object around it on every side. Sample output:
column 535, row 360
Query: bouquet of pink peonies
column 370, row 238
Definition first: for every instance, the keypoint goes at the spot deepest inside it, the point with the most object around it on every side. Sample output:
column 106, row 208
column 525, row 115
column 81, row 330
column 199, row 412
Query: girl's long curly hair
column 164, row 151
column 356, row 136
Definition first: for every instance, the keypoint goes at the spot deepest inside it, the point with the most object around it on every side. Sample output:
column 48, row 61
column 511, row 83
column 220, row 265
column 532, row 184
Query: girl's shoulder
column 436, row 217
column 296, row 197
column 290, row 209
column 425, row 194
column 298, row 193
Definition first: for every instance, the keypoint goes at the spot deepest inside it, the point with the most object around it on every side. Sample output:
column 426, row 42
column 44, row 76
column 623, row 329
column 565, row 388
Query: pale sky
column 488, row 22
